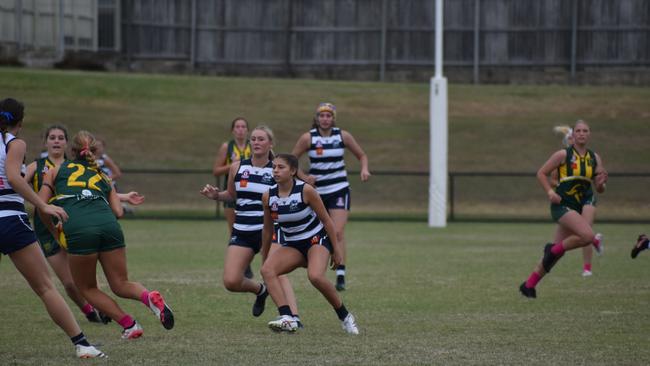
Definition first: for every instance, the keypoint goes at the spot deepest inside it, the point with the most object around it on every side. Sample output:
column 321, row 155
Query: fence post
column 35, row 21
column 451, row 196
column 130, row 33
column 477, row 30
column 75, row 26
column 384, row 25
column 94, row 9
column 574, row 39
column 61, row 30
column 193, row 36
column 117, row 27
column 18, row 7
column 288, row 39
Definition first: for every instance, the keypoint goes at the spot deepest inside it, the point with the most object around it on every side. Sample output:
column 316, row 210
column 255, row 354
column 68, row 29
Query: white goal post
column 438, row 133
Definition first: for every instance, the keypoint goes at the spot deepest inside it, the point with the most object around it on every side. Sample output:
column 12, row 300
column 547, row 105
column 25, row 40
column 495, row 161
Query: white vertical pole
column 438, row 38
column 438, row 133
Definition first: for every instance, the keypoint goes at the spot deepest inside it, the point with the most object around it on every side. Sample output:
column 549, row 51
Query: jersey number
column 73, row 182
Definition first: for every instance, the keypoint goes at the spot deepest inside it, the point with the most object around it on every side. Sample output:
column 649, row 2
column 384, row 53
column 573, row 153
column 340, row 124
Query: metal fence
column 365, row 38
column 49, row 27
column 389, row 34
column 398, row 195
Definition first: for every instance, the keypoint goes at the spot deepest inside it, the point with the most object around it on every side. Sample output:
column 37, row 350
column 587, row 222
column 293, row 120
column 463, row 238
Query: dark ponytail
column 11, row 114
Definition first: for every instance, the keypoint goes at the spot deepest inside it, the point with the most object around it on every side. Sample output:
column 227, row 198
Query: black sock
column 262, row 289
column 80, row 339
column 341, row 312
column 284, row 310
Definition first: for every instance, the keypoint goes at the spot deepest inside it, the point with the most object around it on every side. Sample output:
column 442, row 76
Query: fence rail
column 389, row 34
column 506, row 196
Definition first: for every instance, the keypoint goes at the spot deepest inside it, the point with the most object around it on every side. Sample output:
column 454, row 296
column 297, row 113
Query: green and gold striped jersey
column 42, row 166
column 575, row 175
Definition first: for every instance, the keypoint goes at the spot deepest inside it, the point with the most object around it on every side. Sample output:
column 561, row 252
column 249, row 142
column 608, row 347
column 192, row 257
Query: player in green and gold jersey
column 235, row 150
column 588, row 211
column 577, row 168
column 92, row 234
column 56, row 140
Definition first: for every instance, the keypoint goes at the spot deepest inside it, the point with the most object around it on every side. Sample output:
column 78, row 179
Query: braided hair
column 84, row 147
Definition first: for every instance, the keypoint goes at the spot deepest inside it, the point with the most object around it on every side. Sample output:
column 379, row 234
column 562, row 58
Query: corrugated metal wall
column 349, row 32
column 49, row 25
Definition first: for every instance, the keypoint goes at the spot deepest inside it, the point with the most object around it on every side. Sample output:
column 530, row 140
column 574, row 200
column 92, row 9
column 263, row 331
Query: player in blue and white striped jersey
column 309, row 241
column 248, row 179
column 325, row 144
column 17, row 238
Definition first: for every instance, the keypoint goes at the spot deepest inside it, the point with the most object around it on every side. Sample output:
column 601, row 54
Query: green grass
column 179, row 121
column 421, row 296
column 156, row 121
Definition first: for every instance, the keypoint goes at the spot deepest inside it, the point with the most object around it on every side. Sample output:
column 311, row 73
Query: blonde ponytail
column 566, row 132
column 84, row 146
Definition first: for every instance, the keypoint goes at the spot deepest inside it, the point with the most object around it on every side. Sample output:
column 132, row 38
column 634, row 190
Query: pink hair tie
column 85, row 151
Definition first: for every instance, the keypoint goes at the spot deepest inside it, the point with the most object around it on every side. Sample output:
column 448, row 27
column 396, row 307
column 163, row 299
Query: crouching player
column 309, row 241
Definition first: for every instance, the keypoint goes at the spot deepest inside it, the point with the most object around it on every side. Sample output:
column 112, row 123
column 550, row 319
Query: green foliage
column 421, row 296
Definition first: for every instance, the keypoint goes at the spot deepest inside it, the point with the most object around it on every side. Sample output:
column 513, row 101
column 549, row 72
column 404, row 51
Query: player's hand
column 601, row 178
column 311, row 180
column 335, row 260
column 55, row 211
column 554, row 197
column 210, row 191
column 134, row 198
column 365, row 175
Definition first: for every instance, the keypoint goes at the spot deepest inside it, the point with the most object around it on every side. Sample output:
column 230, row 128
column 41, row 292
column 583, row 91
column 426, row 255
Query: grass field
column 421, row 296
column 172, row 121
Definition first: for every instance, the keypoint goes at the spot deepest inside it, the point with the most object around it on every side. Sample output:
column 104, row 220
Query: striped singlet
column 11, row 203
column 234, row 153
column 575, row 176
column 326, row 161
column 297, row 220
column 250, row 184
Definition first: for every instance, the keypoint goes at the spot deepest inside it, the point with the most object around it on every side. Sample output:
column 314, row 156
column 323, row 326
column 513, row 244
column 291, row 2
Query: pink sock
column 558, row 249
column 87, row 309
column 587, row 267
column 144, row 297
column 595, row 242
column 533, row 280
column 126, row 321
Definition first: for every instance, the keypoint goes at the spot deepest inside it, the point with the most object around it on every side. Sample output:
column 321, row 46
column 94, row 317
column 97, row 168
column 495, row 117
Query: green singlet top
column 83, row 192
column 575, row 176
